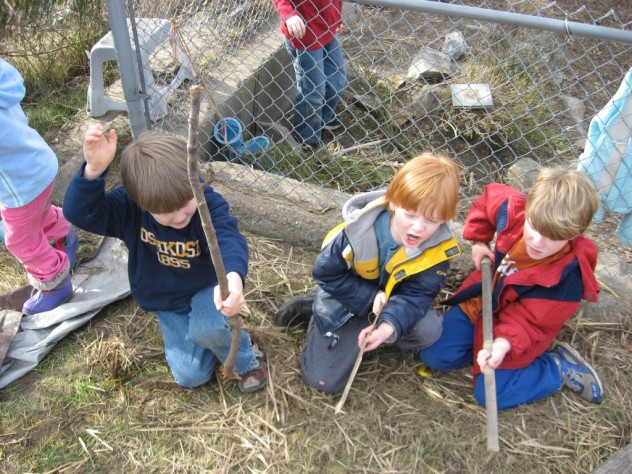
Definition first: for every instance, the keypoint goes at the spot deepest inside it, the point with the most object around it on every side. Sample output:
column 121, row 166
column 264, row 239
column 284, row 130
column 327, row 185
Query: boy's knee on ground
column 323, row 377
column 323, row 383
column 435, row 360
column 190, row 377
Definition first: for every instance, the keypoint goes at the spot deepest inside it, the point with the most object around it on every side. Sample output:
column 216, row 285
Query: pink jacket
column 322, row 17
column 529, row 306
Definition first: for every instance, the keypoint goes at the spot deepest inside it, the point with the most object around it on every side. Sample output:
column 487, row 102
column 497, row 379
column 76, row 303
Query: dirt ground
column 103, row 399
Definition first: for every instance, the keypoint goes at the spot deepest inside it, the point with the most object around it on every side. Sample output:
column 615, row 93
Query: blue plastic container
column 229, row 131
column 257, row 145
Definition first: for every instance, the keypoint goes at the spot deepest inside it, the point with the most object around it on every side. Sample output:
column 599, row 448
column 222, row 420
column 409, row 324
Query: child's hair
column 154, row 172
column 428, row 184
column 561, row 203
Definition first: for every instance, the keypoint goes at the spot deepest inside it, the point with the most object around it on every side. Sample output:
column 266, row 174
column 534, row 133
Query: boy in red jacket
column 543, row 267
column 311, row 31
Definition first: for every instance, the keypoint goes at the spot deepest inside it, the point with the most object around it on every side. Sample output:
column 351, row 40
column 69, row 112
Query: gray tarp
column 97, row 283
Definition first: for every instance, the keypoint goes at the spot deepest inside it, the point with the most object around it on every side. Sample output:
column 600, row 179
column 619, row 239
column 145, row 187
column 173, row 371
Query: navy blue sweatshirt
column 166, row 266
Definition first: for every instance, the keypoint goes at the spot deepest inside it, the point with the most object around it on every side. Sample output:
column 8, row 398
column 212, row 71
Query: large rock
column 522, row 174
column 431, row 65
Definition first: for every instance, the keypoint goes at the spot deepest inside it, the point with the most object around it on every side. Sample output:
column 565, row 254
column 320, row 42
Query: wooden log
column 621, row 462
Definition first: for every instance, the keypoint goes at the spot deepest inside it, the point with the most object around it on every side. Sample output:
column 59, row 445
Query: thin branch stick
column 488, row 373
column 209, row 230
column 196, row 69
column 354, row 371
column 358, row 147
column 218, row 118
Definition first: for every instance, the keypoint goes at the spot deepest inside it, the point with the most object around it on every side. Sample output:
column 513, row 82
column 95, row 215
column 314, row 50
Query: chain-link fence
column 501, row 99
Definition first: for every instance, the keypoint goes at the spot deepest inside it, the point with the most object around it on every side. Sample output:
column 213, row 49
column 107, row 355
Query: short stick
column 354, row 371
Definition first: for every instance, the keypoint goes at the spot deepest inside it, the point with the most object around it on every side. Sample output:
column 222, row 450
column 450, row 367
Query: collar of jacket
column 362, row 252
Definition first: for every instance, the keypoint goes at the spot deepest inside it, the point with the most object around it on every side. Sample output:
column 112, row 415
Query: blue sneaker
column 45, row 300
column 577, row 375
column 69, row 245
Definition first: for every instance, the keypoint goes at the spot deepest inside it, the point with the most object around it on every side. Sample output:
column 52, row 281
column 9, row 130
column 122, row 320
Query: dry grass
column 104, row 401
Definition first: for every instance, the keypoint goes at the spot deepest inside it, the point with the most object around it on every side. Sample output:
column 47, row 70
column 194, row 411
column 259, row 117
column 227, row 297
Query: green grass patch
column 46, row 456
column 322, row 167
column 52, row 111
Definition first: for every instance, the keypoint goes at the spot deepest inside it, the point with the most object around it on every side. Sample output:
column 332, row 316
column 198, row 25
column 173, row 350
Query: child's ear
column 391, row 207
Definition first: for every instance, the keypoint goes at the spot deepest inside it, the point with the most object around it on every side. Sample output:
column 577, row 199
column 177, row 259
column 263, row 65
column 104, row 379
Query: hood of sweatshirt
column 11, row 86
column 27, row 163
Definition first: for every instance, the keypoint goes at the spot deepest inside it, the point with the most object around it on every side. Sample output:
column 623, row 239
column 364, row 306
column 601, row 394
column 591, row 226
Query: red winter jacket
column 529, row 306
column 322, row 17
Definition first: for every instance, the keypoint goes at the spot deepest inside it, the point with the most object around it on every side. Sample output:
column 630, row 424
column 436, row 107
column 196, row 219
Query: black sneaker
column 333, row 125
column 296, row 311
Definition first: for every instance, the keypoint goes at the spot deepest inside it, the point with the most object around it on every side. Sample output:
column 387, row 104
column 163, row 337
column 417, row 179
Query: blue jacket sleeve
column 411, row 298
column 89, row 207
column 333, row 275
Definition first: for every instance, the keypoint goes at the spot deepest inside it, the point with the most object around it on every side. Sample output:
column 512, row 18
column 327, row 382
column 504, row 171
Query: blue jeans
column 514, row 387
column 320, row 79
column 196, row 340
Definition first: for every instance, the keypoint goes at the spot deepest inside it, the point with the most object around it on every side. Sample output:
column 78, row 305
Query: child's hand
column 376, row 338
column 295, row 26
column 378, row 302
column 235, row 301
column 98, row 150
column 500, row 347
column 479, row 251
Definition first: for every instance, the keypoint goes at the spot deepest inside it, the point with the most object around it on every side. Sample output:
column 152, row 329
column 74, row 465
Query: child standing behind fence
column 311, row 31
column 390, row 257
column 30, row 222
column 543, row 268
column 170, row 268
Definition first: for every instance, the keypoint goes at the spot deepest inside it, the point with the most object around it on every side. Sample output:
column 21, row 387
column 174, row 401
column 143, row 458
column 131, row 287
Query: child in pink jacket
column 35, row 231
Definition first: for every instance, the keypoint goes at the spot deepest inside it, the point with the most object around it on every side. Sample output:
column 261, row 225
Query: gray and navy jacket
column 348, row 273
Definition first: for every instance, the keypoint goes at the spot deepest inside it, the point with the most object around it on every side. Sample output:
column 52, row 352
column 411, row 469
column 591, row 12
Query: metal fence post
column 120, row 33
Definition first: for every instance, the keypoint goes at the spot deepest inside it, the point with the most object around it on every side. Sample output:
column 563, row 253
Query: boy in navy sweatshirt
column 170, row 269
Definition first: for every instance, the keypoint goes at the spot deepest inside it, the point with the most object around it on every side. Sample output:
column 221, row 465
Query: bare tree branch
column 209, row 231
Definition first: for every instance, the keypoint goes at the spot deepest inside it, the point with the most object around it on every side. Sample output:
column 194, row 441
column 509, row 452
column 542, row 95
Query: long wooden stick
column 488, row 373
column 209, row 230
